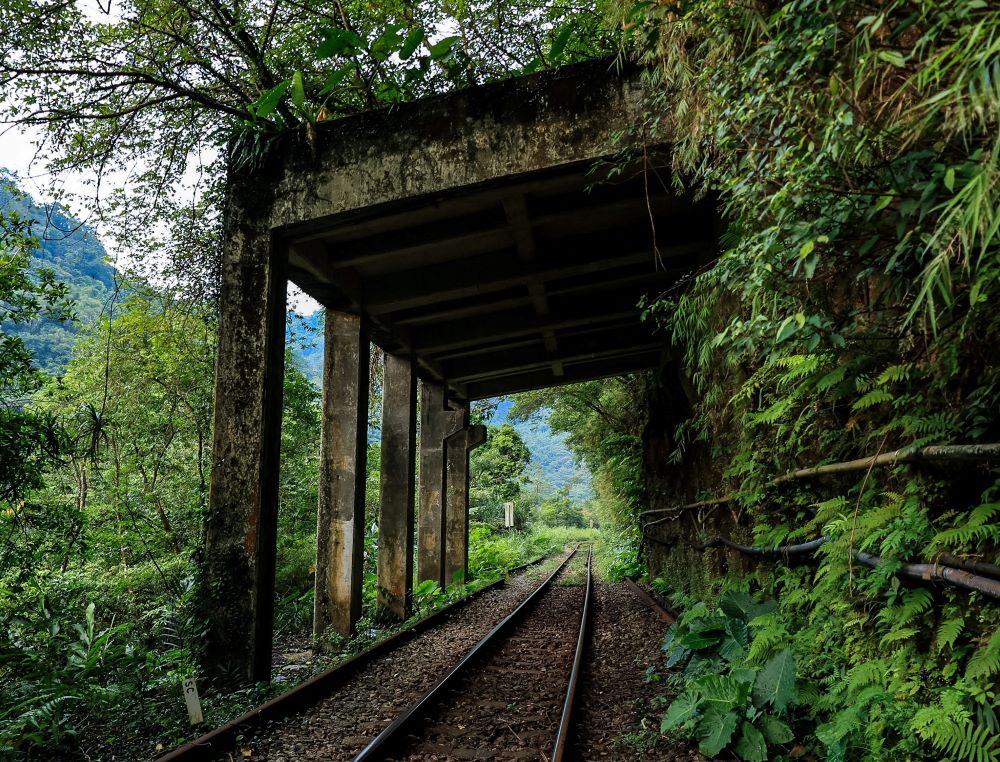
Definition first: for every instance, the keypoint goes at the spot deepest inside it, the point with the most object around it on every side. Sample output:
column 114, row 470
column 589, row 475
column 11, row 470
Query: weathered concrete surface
column 237, row 578
column 340, row 521
column 457, row 449
column 499, row 130
column 397, row 484
column 436, row 424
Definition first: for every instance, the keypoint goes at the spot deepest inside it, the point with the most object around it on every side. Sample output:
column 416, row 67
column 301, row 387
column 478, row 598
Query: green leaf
column 892, row 57
column 387, row 43
column 786, row 329
column 298, row 90
column 411, row 43
column 775, row 731
column 337, row 42
column 704, row 633
column 737, row 604
column 682, row 709
column 720, row 691
column 268, row 102
column 715, row 731
column 559, row 42
column 810, row 265
column 751, row 746
column 949, row 179
column 776, row 681
column 442, row 48
column 336, row 77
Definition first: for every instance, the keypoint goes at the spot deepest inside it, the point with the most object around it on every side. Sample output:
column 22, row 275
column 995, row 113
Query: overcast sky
column 17, row 153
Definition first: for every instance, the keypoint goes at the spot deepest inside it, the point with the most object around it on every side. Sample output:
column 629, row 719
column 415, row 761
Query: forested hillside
column 553, row 464
column 77, row 259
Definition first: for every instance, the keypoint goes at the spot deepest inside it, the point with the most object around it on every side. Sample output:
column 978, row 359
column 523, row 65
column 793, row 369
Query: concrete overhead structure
column 471, row 238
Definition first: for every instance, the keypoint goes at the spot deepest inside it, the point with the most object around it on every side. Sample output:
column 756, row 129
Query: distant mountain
column 556, row 463
column 304, row 336
column 78, row 259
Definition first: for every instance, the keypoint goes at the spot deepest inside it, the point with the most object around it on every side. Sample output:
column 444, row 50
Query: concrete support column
column 436, row 424
column 457, row 449
column 237, row 571
column 340, row 522
column 396, row 487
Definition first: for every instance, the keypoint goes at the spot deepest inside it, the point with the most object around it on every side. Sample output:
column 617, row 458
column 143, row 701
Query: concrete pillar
column 237, row 571
column 436, row 423
column 340, row 521
column 396, row 487
column 457, row 449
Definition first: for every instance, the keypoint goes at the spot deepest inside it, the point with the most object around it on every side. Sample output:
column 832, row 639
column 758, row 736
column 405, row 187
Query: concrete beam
column 397, row 482
column 437, row 423
column 507, row 364
column 477, row 275
column 340, row 521
column 585, row 371
column 469, row 137
column 483, row 306
column 458, row 339
column 458, row 446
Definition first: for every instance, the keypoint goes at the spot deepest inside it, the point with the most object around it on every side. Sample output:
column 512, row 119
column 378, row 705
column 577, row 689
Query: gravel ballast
column 338, row 727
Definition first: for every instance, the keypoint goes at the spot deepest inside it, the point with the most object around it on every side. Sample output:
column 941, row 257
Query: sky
column 17, row 154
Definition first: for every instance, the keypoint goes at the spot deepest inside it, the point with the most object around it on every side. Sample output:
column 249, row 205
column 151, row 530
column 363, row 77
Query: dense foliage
column 603, row 422
column 855, row 151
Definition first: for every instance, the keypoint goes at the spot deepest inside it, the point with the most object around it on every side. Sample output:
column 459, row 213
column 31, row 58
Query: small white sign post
column 192, row 701
column 508, row 514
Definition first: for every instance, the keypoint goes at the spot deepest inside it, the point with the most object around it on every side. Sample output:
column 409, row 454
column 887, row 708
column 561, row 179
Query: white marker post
column 192, row 701
column 508, row 514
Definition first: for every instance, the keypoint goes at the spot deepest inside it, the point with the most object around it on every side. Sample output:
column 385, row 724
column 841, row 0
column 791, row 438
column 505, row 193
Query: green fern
column 985, row 662
column 895, row 374
column 977, row 528
column 871, row 399
column 831, row 379
column 960, row 740
column 915, row 603
column 948, row 632
column 865, row 674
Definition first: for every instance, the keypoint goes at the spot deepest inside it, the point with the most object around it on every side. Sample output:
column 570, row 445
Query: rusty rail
column 565, row 723
column 392, row 735
column 669, row 617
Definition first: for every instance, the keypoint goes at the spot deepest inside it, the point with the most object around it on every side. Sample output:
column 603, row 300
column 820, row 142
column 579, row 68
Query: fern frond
column 871, row 399
column 866, row 673
column 985, row 662
column 895, row 374
column 948, row 632
column 960, row 740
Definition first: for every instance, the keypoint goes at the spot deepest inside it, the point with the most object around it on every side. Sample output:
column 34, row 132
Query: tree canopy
column 161, row 88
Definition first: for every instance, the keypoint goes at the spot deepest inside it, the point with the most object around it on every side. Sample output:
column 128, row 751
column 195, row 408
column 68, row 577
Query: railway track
column 335, row 714
column 511, row 695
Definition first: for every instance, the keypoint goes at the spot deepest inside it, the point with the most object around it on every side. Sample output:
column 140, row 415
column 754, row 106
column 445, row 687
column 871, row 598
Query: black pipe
column 928, row 572
column 976, row 567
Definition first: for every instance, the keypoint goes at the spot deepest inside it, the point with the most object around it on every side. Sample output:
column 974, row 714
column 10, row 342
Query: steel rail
column 216, row 743
column 380, row 746
column 565, row 722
